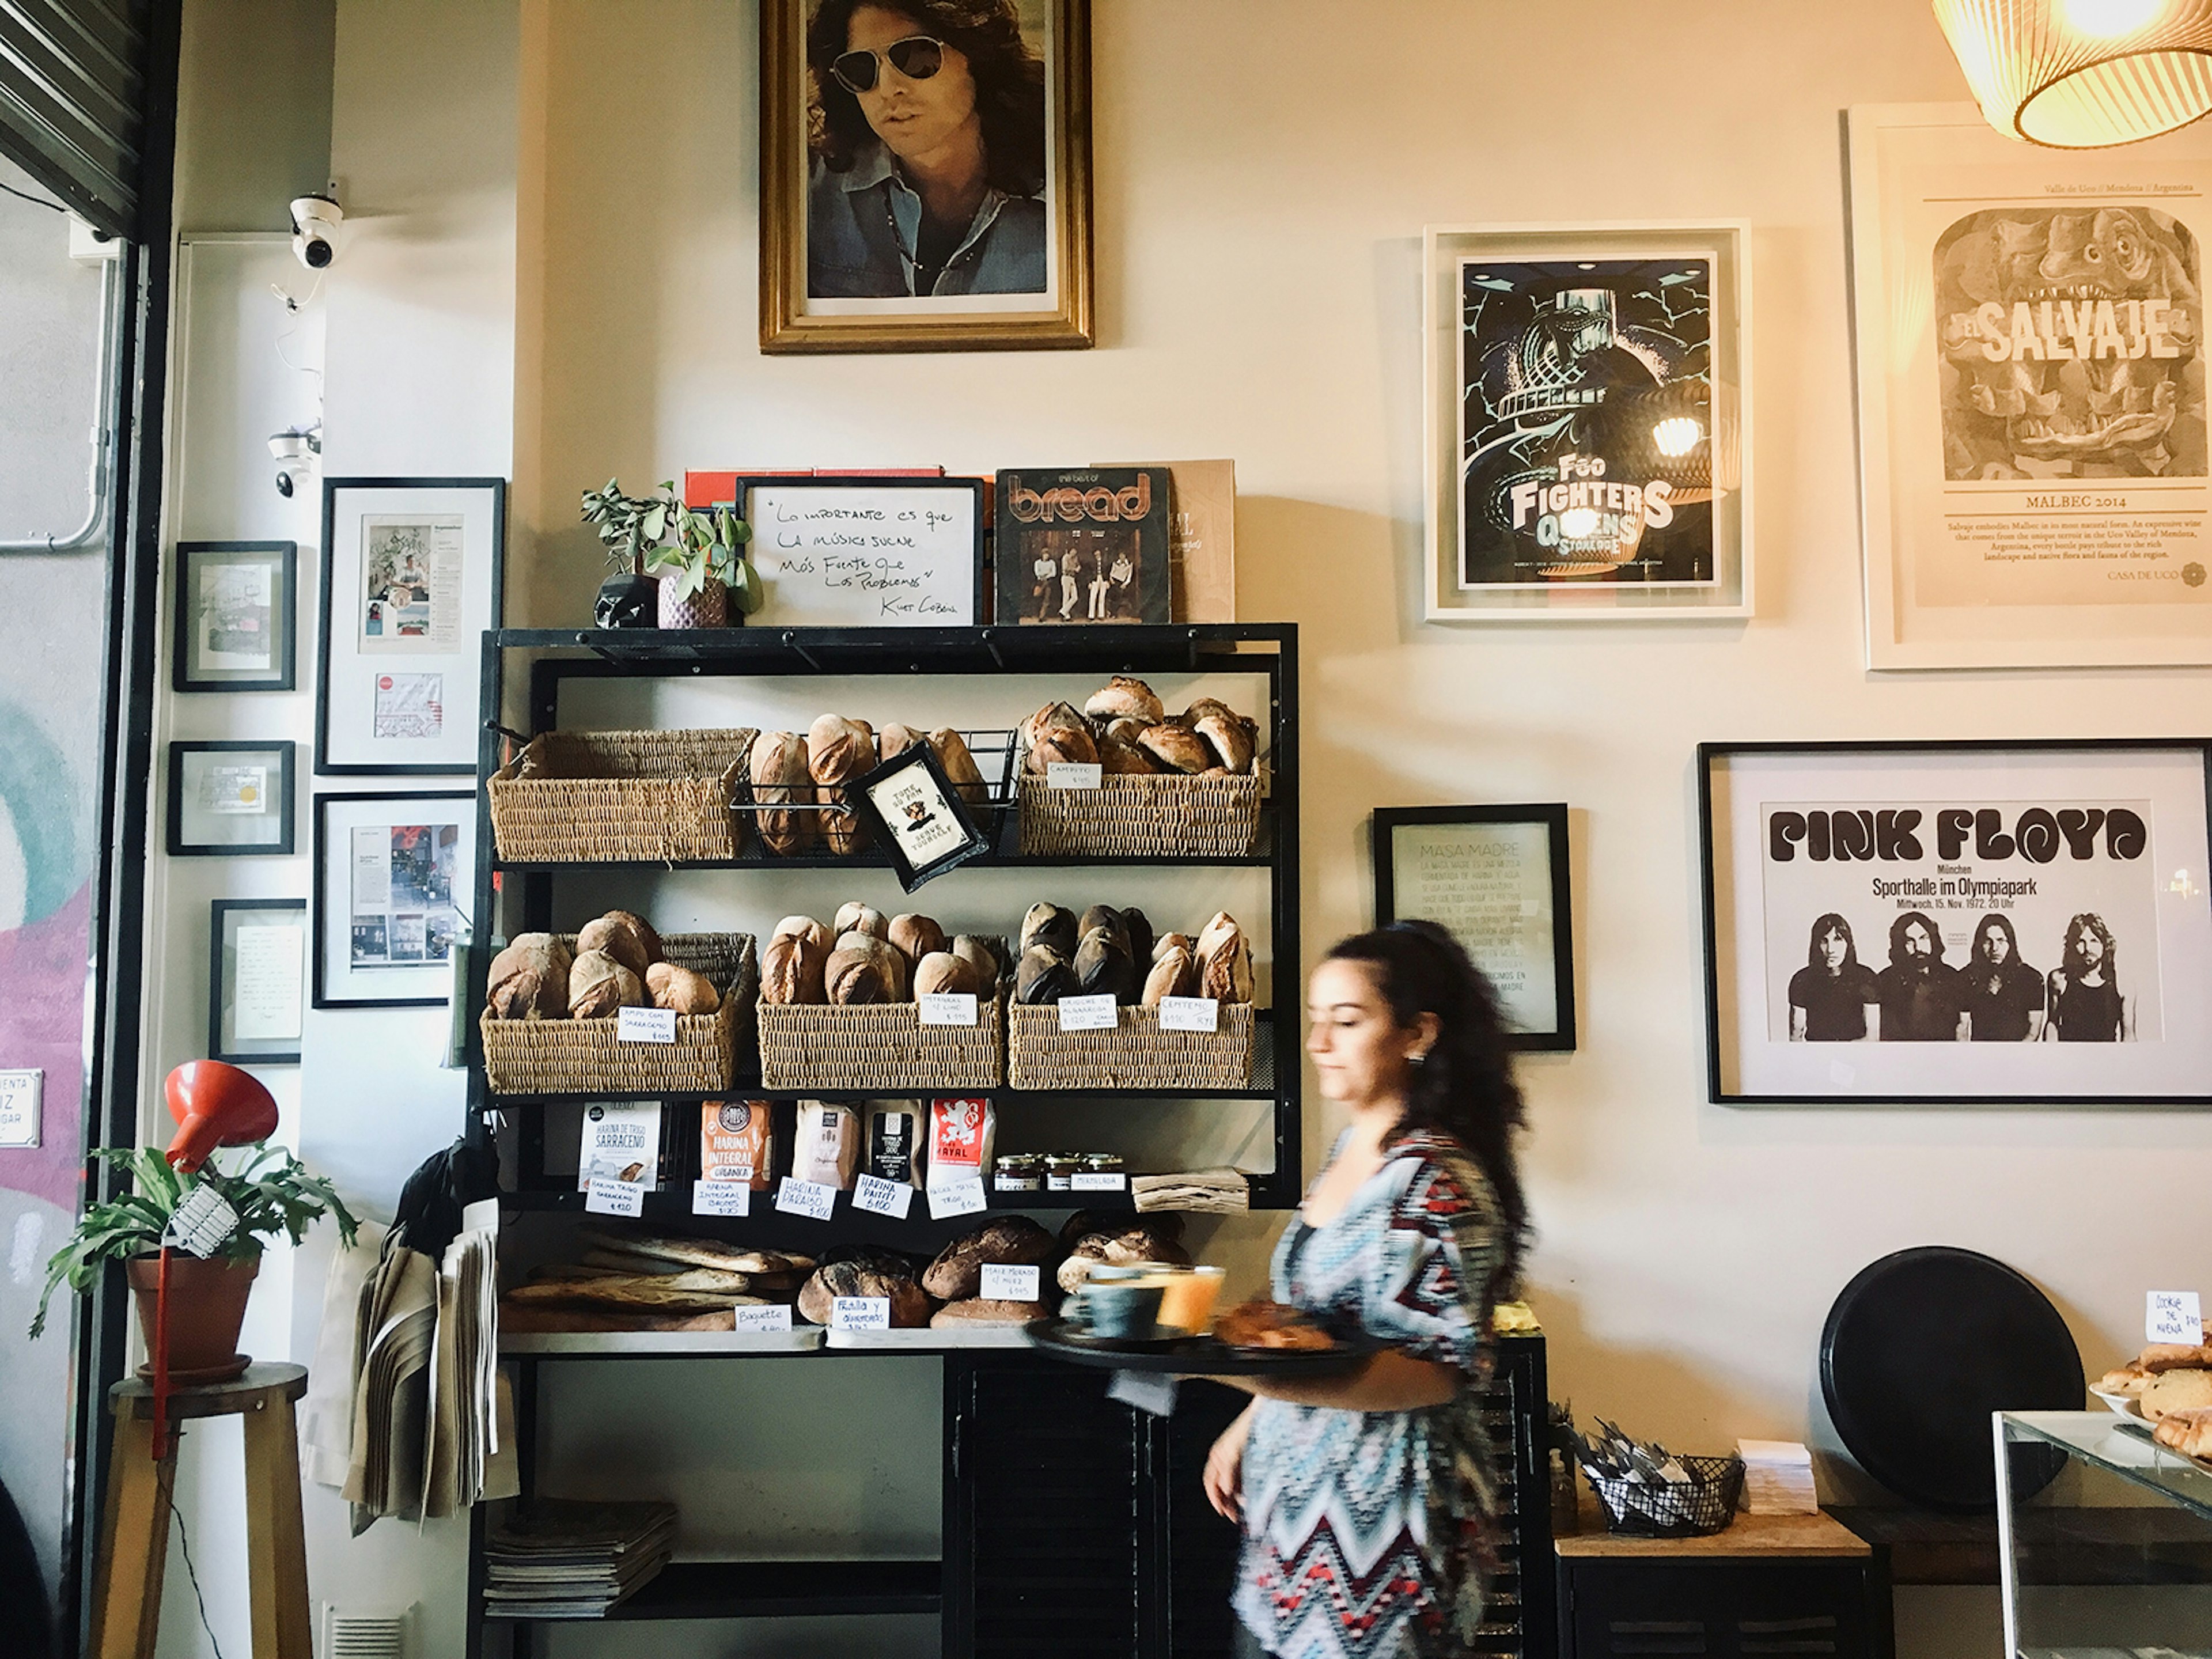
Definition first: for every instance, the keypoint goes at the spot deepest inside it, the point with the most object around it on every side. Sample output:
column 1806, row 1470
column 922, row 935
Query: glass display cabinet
column 2105, row 1539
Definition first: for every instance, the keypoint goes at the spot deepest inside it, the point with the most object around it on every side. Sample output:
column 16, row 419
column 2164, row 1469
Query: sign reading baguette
column 776, row 1317
column 880, row 1197
column 607, row 1196
column 645, row 1025
column 812, row 1199
column 1097, row 1013
column 948, row 1008
column 1189, row 1014
column 724, row 1198
column 856, row 553
column 860, row 1313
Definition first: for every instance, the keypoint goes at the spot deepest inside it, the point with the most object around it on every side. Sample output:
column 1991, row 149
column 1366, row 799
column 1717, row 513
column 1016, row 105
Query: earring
column 1418, row 1059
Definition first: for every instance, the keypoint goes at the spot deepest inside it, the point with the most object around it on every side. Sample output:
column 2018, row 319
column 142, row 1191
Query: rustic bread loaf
column 1176, row 748
column 983, row 963
column 1123, row 698
column 854, row 917
column 838, row 750
column 1013, row 1240
column 629, row 939
column 779, row 771
column 915, row 936
column 942, row 973
column 794, row 970
column 529, row 980
column 680, row 989
column 960, row 767
column 874, row 1275
column 597, row 985
column 1043, row 976
column 1050, row 925
column 864, row 975
column 974, row 1310
column 806, row 927
column 1175, row 975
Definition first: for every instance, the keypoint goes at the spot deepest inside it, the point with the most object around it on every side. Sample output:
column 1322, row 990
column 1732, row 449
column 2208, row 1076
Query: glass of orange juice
column 1190, row 1294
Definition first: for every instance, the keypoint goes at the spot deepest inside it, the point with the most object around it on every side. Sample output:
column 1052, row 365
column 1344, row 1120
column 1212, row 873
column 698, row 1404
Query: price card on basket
column 811, row 1199
column 1088, row 1014
column 1002, row 1283
column 721, row 1198
column 776, row 1317
column 645, row 1025
column 948, row 1008
column 2173, row 1317
column 880, row 1197
column 961, row 1196
column 1084, row 1180
column 1189, row 1014
column 1074, row 774
column 860, row 1313
column 607, row 1196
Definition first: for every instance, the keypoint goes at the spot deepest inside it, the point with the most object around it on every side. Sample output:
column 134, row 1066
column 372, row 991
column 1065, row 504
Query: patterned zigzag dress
column 1365, row 1532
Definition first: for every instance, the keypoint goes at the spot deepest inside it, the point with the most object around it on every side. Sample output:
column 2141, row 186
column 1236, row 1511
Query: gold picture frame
column 794, row 320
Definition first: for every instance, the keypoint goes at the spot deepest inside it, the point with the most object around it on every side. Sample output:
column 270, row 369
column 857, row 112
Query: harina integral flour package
column 737, row 1142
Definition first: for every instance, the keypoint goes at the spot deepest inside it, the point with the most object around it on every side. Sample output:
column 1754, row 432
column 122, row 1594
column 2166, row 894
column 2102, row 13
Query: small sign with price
column 721, row 1198
column 811, row 1199
column 860, row 1313
column 880, row 1197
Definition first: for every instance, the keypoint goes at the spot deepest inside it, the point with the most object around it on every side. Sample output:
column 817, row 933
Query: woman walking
column 1367, row 1500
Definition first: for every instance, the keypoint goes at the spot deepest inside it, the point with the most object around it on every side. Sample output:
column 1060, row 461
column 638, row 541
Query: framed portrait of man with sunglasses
column 925, row 175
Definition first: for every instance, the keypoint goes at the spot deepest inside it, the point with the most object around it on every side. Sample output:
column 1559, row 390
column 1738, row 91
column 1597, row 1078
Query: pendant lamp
column 2084, row 74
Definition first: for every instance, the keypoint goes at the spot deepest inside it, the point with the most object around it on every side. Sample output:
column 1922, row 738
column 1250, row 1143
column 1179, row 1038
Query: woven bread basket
column 584, row 1056
column 1137, row 1055
column 1157, row 816
column 620, row 796
column 878, row 1046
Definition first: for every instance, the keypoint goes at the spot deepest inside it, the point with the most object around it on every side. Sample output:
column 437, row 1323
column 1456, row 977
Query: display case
column 2105, row 1539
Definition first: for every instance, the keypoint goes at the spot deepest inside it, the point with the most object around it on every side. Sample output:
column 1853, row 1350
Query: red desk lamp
column 215, row 1105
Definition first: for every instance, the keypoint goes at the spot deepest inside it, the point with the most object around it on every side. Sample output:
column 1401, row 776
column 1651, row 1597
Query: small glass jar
column 1060, row 1172
column 1104, row 1163
column 1020, row 1172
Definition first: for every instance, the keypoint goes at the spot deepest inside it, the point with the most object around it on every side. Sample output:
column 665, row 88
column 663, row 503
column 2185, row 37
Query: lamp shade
column 2084, row 74
column 215, row 1105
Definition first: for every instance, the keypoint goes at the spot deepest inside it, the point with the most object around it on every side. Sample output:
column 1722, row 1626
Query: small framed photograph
column 858, row 552
column 391, row 875
column 918, row 816
column 234, row 607
column 1496, row 878
column 1945, row 924
column 230, row 800
column 987, row 104
column 411, row 580
column 1588, row 420
column 257, row 963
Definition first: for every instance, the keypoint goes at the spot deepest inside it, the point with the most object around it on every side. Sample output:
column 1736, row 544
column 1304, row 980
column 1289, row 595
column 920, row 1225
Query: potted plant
column 628, row 525
column 702, row 567
column 270, row 1193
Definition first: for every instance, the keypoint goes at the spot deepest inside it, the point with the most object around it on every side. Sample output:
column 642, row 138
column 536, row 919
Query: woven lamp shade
column 2084, row 74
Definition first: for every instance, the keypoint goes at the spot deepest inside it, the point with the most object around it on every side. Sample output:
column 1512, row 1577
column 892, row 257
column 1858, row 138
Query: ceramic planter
column 708, row 608
column 207, row 1310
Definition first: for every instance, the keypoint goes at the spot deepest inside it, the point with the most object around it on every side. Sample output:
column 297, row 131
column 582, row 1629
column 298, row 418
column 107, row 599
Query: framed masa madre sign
column 411, row 573
column 925, row 175
column 1587, row 416
column 2030, row 395
column 1952, row 923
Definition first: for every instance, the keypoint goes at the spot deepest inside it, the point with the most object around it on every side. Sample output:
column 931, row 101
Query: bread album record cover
column 1083, row 545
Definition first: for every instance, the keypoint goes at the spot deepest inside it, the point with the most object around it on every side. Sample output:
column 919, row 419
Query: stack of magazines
column 559, row 1558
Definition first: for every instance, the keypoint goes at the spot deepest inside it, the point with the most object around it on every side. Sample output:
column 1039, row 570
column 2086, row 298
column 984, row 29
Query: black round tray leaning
column 1192, row 1356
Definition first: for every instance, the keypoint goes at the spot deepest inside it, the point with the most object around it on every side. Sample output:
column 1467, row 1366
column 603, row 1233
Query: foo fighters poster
column 1586, row 422
column 2031, row 396
column 2028, row 922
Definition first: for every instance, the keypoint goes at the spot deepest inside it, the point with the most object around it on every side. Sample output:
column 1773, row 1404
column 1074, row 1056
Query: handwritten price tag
column 1073, row 775
column 1005, row 1283
column 880, row 1197
column 606, row 1197
column 1088, row 1014
column 1086, row 1181
column 811, row 1199
column 1189, row 1014
column 963, row 1196
column 2173, row 1317
column 860, row 1313
column 948, row 1008
column 775, row 1317
column 645, row 1025
column 722, row 1198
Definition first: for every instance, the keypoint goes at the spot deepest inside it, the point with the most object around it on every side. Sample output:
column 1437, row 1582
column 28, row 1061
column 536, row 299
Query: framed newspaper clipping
column 1587, row 416
column 2029, row 322
column 411, row 579
column 391, row 871
column 2015, row 924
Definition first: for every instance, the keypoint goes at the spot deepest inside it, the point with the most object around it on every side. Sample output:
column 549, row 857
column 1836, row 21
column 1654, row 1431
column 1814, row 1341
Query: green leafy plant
column 629, row 525
column 658, row 535
column 271, row 1191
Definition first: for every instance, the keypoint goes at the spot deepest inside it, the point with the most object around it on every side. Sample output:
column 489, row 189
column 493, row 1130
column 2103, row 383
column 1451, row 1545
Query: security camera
column 296, row 450
column 315, row 221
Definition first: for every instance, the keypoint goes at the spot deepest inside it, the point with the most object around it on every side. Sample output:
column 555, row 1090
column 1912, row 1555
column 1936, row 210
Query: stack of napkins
column 1777, row 1478
column 1208, row 1192
column 559, row 1558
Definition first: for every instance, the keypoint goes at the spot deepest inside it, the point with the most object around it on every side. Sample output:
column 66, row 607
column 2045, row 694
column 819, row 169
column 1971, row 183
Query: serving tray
column 1192, row 1356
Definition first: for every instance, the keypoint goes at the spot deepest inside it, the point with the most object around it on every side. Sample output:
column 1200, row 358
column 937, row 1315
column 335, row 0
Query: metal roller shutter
column 73, row 94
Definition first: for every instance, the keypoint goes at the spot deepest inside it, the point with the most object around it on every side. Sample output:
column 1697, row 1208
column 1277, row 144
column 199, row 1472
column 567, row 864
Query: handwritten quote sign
column 865, row 556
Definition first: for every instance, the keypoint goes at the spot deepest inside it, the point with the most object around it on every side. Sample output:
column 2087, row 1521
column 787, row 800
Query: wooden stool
column 134, row 1535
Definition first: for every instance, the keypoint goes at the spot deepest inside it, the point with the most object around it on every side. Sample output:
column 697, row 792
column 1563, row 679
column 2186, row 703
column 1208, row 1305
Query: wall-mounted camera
column 298, row 451
column 315, row 221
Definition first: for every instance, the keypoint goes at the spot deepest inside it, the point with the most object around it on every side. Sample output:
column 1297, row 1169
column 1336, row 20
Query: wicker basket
column 583, row 1056
column 1704, row 1504
column 620, row 796
column 1158, row 817
column 882, row 1046
column 1137, row 1054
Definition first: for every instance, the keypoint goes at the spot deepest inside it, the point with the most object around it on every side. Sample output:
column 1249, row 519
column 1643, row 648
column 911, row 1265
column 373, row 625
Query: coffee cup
column 1119, row 1310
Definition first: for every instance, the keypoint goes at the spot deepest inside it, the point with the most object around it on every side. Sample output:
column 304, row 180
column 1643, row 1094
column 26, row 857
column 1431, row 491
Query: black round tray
column 1192, row 1356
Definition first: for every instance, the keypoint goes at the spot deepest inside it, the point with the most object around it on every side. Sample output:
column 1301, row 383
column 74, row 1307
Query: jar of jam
column 1104, row 1163
column 1020, row 1172
column 1060, row 1172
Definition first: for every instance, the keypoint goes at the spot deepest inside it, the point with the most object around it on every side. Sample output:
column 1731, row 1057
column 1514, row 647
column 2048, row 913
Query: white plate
column 2122, row 1404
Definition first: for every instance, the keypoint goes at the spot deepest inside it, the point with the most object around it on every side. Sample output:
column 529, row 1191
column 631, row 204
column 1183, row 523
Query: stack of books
column 1777, row 1478
column 558, row 1559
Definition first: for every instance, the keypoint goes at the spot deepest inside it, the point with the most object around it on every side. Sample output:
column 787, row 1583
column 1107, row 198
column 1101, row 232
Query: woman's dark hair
column 1465, row 1088
column 1830, row 923
column 1009, row 84
column 2089, row 922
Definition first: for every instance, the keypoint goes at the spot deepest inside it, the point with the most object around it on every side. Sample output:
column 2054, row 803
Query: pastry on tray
column 1271, row 1325
column 2189, row 1432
